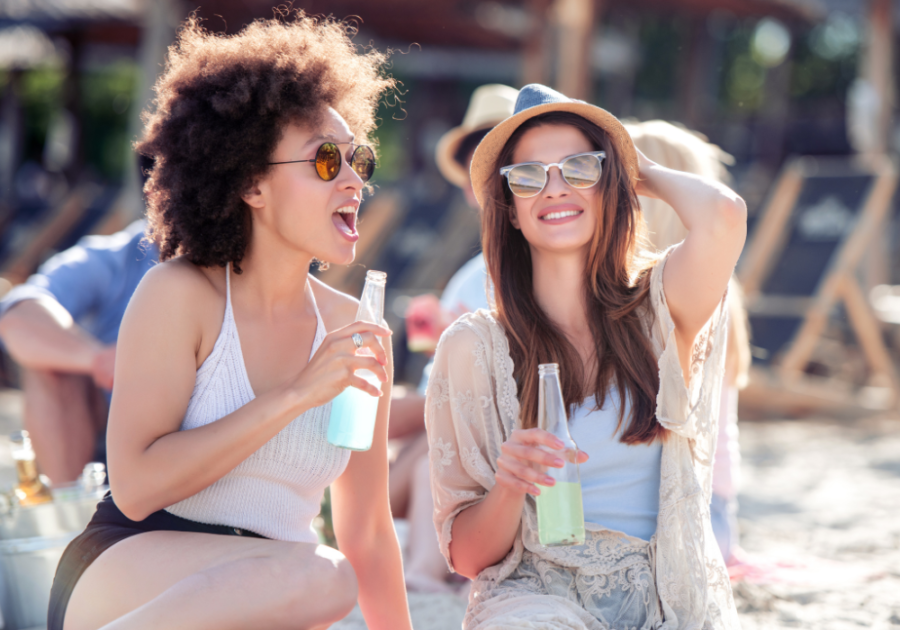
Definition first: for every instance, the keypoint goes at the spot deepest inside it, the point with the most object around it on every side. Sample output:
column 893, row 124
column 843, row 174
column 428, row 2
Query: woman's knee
column 322, row 587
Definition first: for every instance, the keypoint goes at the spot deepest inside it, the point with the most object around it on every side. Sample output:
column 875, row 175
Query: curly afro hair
column 221, row 106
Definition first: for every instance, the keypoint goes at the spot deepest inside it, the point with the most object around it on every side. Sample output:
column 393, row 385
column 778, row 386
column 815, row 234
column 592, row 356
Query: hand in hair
column 642, row 188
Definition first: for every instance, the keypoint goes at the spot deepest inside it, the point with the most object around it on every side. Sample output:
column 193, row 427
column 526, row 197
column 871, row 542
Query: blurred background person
column 426, row 319
column 61, row 328
column 682, row 150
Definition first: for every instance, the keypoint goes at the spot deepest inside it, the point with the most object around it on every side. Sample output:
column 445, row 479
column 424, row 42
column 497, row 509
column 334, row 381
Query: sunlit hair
column 221, row 107
column 617, row 283
column 683, row 150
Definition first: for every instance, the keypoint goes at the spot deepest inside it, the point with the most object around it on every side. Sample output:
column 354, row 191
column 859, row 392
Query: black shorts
column 107, row 527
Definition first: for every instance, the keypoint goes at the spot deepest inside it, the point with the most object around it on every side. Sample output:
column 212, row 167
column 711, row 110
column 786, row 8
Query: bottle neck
column 371, row 304
column 26, row 471
column 552, row 415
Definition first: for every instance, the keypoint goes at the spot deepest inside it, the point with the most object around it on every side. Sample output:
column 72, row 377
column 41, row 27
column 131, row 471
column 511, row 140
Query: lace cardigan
column 472, row 408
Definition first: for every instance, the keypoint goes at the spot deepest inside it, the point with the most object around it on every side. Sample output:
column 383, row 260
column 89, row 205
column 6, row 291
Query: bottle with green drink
column 560, row 511
column 352, row 421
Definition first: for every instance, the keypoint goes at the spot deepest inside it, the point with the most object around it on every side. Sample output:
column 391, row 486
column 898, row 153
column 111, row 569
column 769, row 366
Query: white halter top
column 276, row 491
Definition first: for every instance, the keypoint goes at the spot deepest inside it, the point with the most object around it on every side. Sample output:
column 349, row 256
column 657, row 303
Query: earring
column 321, row 265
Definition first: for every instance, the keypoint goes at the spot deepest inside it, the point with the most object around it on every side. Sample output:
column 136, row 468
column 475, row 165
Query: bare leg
column 407, row 415
column 61, row 414
column 400, row 480
column 178, row 580
column 426, row 570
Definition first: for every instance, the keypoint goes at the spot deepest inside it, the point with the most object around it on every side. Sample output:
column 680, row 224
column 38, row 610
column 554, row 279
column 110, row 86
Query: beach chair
column 801, row 273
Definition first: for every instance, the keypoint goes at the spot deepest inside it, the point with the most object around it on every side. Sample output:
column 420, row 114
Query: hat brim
column 445, row 154
column 486, row 153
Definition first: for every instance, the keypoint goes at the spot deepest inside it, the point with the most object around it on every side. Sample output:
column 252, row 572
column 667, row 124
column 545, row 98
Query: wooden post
column 877, row 66
column 694, row 98
column 575, row 25
column 536, row 51
column 162, row 19
column 876, row 71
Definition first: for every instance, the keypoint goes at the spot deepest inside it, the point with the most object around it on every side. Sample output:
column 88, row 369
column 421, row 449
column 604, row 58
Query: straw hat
column 489, row 105
column 533, row 100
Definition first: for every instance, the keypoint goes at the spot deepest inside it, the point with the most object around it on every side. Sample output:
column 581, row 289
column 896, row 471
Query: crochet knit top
column 277, row 491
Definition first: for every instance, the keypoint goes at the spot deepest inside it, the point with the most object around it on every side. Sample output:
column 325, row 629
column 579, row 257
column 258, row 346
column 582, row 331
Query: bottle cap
column 20, row 438
column 548, row 368
column 378, row 277
column 93, row 476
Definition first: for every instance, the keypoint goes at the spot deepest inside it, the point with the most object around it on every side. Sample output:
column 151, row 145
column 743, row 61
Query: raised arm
column 697, row 271
column 365, row 530
column 152, row 464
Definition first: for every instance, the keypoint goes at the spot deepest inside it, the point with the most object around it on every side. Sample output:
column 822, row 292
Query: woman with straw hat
column 640, row 340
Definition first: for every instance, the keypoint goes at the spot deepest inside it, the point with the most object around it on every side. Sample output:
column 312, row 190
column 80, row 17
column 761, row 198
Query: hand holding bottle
column 526, row 456
column 333, row 367
column 353, row 413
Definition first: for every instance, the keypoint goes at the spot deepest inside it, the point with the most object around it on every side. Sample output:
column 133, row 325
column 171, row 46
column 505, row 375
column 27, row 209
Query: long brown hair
column 616, row 285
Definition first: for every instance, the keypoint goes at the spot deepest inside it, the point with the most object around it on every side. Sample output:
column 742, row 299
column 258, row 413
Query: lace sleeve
column 459, row 414
column 688, row 411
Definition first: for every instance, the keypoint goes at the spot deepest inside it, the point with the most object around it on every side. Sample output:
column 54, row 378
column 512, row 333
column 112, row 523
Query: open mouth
column 344, row 220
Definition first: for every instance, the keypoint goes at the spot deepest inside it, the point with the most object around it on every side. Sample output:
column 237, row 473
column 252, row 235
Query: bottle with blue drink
column 352, row 423
column 560, row 511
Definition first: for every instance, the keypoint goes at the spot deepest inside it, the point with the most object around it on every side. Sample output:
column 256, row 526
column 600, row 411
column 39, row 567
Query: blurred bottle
column 352, row 423
column 93, row 477
column 31, row 489
column 560, row 511
column 425, row 321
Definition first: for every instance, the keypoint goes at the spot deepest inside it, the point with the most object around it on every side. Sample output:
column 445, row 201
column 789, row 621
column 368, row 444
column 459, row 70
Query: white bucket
column 32, row 540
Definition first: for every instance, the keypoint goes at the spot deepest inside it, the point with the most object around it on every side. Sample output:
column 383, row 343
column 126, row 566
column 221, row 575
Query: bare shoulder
column 337, row 309
column 180, row 282
column 180, row 297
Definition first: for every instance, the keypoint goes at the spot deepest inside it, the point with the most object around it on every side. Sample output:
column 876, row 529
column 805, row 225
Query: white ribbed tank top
column 276, row 491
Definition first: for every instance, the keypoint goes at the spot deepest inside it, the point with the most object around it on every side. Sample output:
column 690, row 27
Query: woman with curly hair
column 640, row 344
column 230, row 354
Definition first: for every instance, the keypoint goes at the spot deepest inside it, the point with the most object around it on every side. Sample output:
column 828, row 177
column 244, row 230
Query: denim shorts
column 107, row 527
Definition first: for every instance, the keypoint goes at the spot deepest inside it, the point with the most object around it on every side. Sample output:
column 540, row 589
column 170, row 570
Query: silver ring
column 357, row 340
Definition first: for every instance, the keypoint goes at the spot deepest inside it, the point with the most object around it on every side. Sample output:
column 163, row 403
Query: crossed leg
column 178, row 580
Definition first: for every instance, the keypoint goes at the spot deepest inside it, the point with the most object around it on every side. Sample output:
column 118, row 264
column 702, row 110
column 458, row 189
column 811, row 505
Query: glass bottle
column 31, row 489
column 93, row 478
column 560, row 511
column 352, row 423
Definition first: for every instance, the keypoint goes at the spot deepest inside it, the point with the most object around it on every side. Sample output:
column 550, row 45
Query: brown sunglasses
column 328, row 161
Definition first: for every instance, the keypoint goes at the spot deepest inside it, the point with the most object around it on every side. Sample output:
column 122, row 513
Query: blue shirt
column 93, row 280
column 467, row 289
column 620, row 482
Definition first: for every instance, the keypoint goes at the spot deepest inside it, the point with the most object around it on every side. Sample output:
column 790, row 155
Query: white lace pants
column 613, row 592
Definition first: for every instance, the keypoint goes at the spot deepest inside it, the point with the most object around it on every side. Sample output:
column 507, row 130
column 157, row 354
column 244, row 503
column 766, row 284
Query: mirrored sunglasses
column 529, row 178
column 328, row 161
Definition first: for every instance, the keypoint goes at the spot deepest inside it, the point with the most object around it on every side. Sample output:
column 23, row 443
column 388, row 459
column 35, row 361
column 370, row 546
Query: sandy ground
column 820, row 523
column 823, row 498
column 819, row 518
